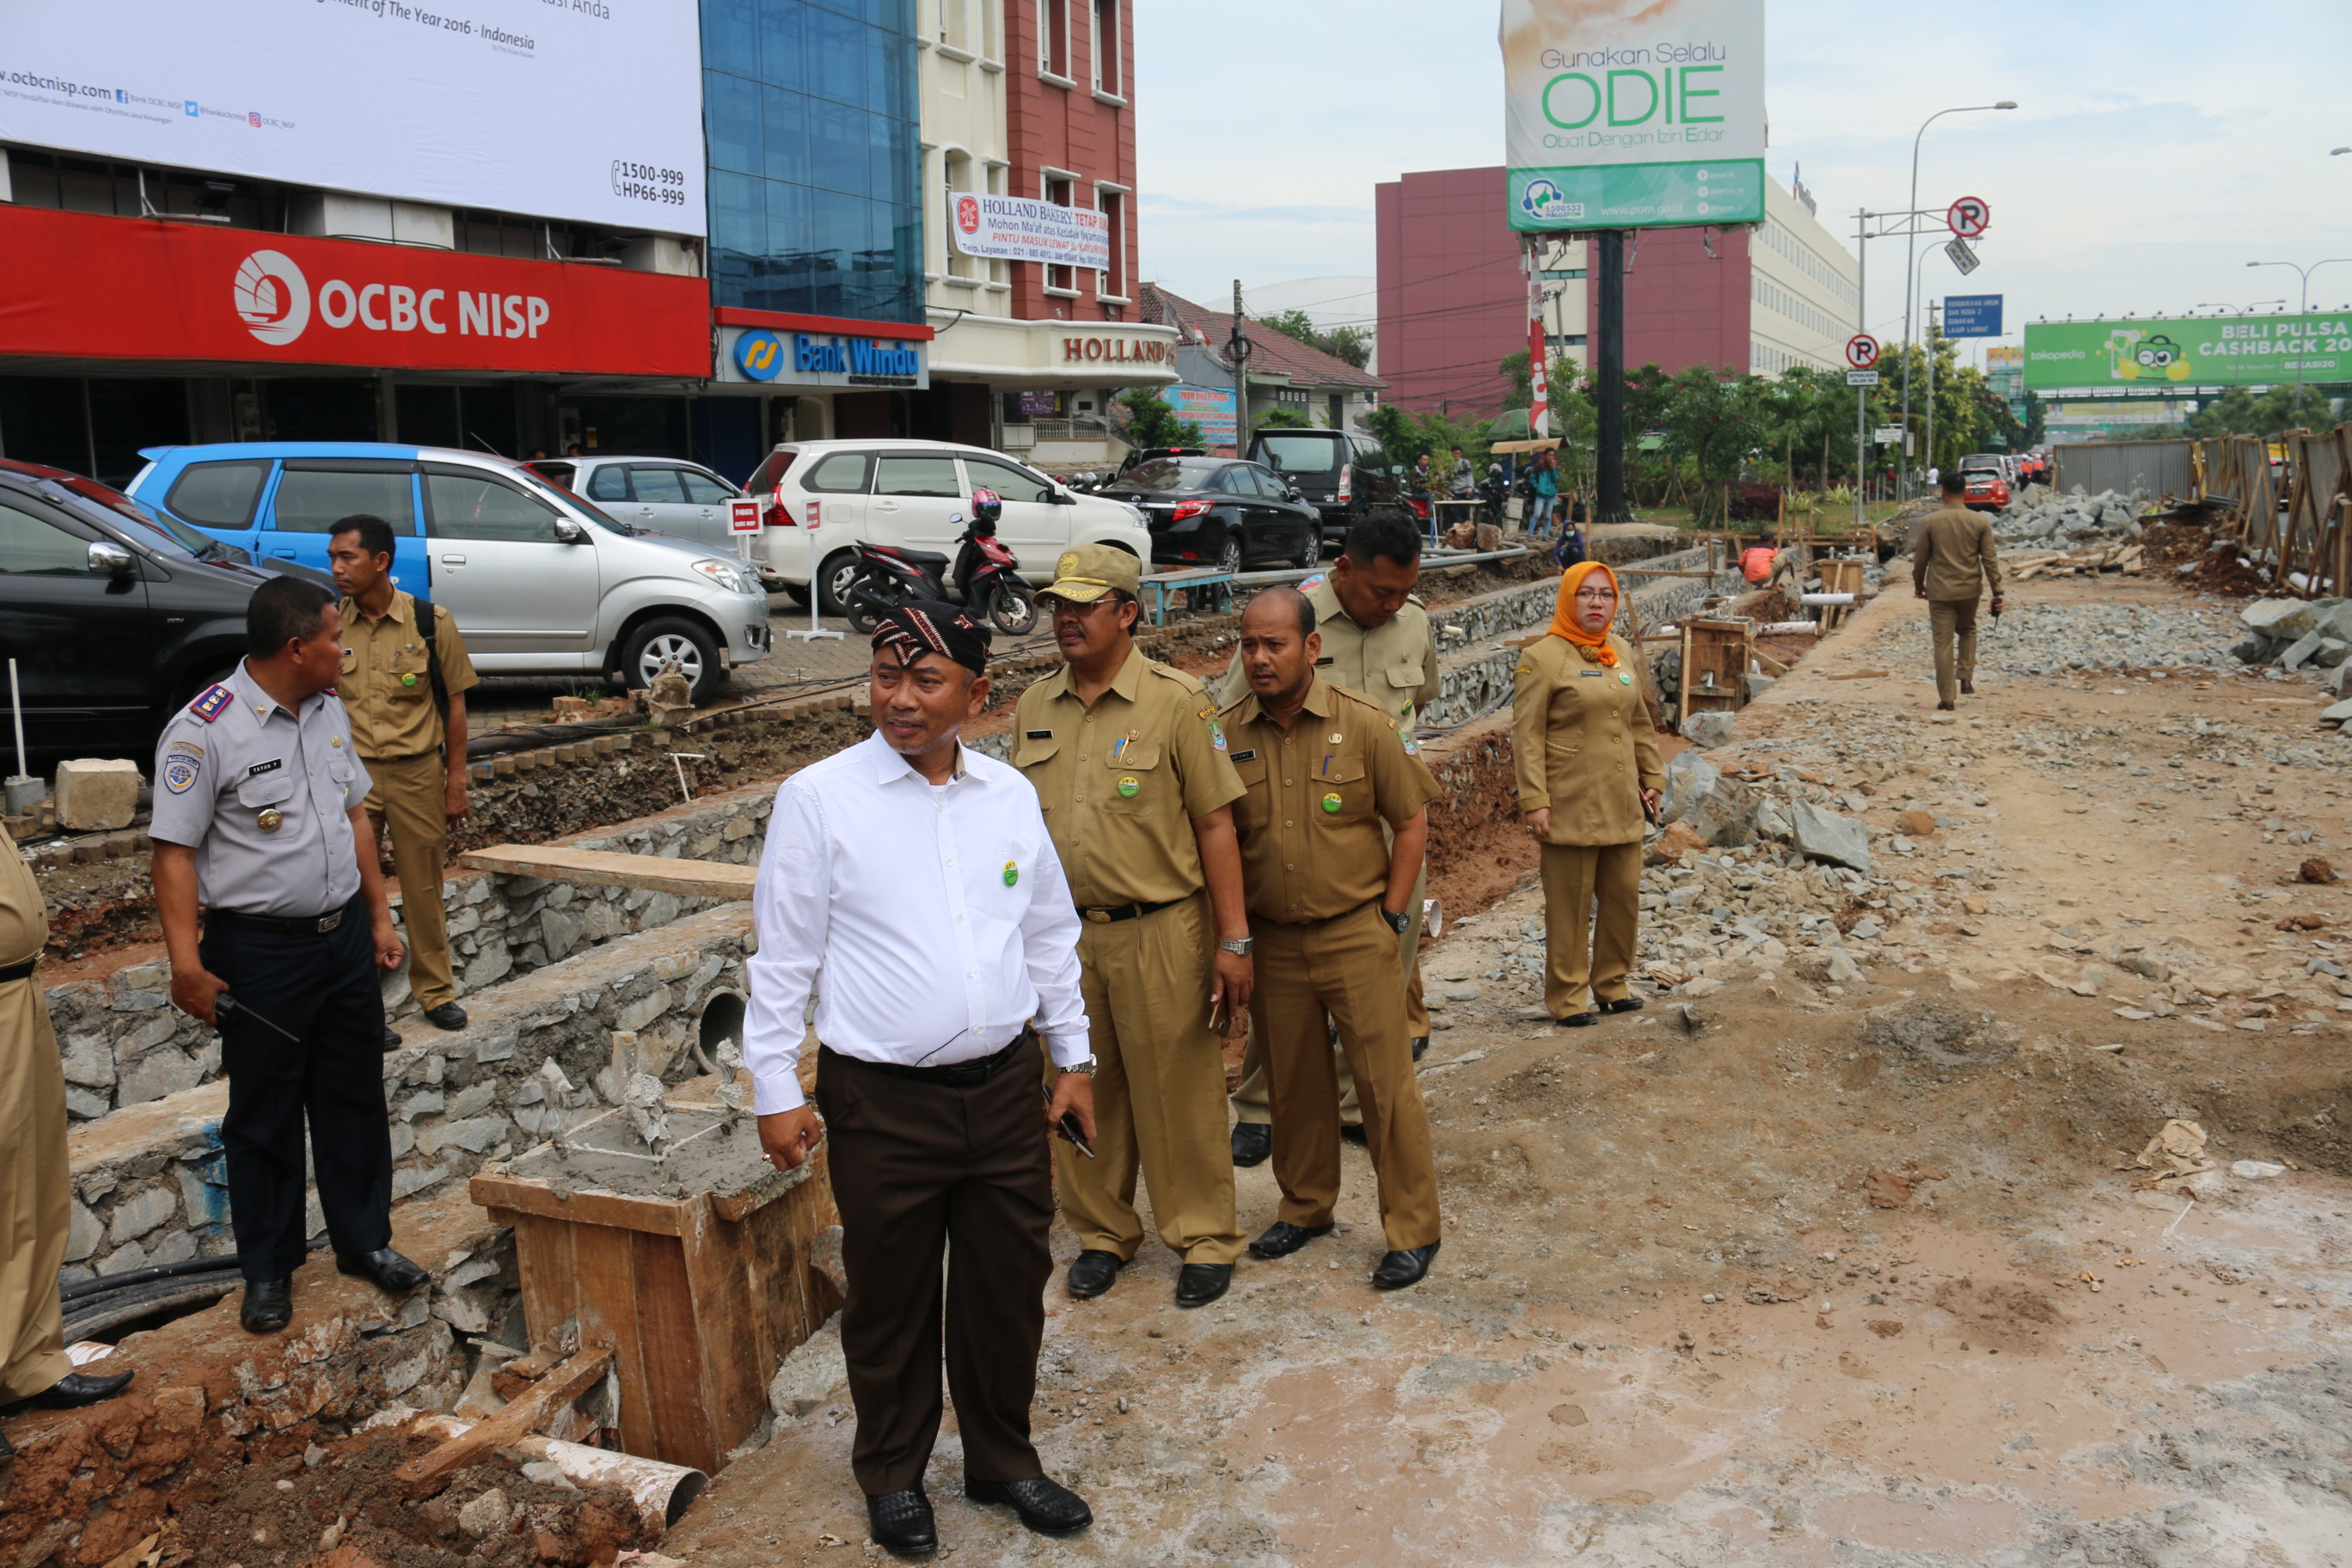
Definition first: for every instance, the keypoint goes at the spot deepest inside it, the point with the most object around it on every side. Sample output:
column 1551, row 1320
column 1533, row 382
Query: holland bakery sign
column 1117, row 350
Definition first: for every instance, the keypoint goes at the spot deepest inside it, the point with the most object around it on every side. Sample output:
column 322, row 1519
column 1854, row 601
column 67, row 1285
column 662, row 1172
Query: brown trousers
column 1587, row 960
column 1160, row 1091
column 922, row 1173
column 408, row 798
column 1348, row 969
column 1951, row 620
column 36, row 1191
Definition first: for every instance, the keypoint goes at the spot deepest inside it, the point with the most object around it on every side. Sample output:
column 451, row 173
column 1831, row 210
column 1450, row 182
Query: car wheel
column 669, row 642
column 833, row 579
column 1310, row 555
column 1229, row 555
column 798, row 592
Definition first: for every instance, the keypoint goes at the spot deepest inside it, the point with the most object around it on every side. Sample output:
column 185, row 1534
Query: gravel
column 2050, row 639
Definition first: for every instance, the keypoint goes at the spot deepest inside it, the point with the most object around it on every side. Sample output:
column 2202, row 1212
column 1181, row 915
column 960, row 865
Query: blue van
column 276, row 500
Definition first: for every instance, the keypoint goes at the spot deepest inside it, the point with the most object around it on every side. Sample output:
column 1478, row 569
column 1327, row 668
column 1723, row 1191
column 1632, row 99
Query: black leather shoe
column 389, row 1269
column 1623, row 1005
column 1198, row 1284
column 901, row 1523
column 1968, row 689
column 1946, row 707
column 392, row 1040
column 71, row 1392
column 1282, row 1238
column 1578, row 1020
column 1420, row 1047
column 1092, row 1273
column 448, row 1015
column 1253, row 1142
column 269, row 1305
column 1399, row 1269
column 1045, row 1507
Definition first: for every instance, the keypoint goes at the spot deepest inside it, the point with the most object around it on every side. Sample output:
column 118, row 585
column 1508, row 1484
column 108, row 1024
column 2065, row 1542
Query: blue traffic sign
column 1972, row 315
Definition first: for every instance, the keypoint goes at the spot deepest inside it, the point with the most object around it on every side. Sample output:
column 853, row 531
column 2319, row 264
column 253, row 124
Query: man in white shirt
column 919, row 879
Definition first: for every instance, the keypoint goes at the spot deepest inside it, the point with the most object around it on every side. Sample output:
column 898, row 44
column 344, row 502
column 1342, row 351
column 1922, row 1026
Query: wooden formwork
column 1841, row 576
column 1716, row 656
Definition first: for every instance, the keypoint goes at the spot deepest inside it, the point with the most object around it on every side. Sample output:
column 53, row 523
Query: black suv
column 114, row 613
column 1343, row 475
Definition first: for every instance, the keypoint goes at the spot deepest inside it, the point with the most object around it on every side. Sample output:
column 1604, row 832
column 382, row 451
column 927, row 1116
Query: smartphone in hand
column 1069, row 1128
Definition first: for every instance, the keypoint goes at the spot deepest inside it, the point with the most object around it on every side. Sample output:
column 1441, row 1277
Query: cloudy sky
column 2160, row 145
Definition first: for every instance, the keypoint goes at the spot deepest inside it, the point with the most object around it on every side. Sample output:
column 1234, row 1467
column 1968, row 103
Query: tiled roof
column 1271, row 353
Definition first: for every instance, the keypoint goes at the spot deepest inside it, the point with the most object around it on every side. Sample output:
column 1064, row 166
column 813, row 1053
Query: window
column 955, row 23
column 1009, row 482
column 217, row 495
column 32, row 548
column 839, row 474
column 918, row 477
column 656, row 486
column 1114, row 209
column 610, row 482
column 313, row 497
column 1054, row 37
column 1236, row 481
column 1105, row 37
column 957, row 168
column 474, row 506
column 704, row 490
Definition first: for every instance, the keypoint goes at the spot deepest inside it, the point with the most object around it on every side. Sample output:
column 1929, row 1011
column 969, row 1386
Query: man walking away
column 403, row 662
column 1953, row 564
column 919, row 877
column 258, row 819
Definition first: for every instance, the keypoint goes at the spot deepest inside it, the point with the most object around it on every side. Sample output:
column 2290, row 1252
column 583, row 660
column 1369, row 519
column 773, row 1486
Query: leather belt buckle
column 963, row 1075
column 1099, row 916
column 329, row 922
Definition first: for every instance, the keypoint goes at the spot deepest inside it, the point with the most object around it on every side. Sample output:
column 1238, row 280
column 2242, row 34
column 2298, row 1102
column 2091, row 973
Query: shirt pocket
column 1341, row 795
column 1137, row 779
column 1404, row 677
column 275, row 787
column 1034, row 751
column 1255, row 809
column 412, row 674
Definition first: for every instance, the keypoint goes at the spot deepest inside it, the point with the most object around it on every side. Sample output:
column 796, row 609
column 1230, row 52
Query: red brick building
column 1071, row 136
column 1453, row 299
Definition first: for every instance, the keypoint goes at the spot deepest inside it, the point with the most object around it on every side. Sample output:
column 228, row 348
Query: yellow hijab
column 1563, row 618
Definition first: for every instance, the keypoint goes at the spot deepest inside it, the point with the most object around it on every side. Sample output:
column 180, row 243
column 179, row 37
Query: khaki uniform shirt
column 1581, row 743
column 262, row 796
column 1394, row 665
column 1122, row 782
column 1311, row 825
column 385, row 686
column 1954, row 556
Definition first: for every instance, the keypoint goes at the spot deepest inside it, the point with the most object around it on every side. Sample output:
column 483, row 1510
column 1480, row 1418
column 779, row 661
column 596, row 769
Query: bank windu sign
column 84, row 287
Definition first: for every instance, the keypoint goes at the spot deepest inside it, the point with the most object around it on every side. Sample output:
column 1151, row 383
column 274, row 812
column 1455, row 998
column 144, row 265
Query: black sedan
column 1217, row 511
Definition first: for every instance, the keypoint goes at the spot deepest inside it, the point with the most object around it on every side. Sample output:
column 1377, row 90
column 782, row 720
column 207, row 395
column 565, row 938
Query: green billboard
column 2158, row 354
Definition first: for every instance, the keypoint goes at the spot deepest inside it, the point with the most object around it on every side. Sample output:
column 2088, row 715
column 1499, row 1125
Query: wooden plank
column 605, row 869
column 497, row 1188
column 681, row 1350
column 606, row 1260
column 525, row 1416
column 543, row 1258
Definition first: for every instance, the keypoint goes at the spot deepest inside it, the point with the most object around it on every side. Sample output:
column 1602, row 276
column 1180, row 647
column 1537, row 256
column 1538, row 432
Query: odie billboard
column 2187, row 352
column 1633, row 113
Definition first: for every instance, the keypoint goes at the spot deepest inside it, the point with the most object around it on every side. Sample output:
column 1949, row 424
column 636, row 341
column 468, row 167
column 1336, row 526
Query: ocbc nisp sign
column 138, row 289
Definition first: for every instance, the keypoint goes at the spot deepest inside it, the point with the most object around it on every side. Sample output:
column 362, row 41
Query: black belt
column 277, row 925
column 15, row 972
column 1101, row 914
column 955, row 1075
column 1327, row 919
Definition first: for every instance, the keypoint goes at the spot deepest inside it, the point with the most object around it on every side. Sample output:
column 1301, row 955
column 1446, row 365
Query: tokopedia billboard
column 1633, row 113
column 2189, row 351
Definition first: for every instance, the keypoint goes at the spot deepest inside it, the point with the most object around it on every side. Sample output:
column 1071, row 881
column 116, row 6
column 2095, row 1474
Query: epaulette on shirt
column 1184, row 679
column 212, row 702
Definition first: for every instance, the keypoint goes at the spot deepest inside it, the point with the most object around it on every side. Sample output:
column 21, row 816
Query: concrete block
column 142, row 1212
column 1707, row 730
column 2281, row 620
column 1824, row 835
column 97, row 793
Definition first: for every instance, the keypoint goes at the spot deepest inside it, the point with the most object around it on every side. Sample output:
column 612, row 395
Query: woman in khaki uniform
column 1588, row 774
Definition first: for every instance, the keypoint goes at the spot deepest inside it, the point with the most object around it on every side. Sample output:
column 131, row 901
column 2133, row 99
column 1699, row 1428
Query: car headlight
column 728, row 576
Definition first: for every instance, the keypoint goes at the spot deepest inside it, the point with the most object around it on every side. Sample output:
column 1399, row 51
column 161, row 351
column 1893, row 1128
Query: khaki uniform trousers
column 1160, row 1091
column 36, row 1210
column 1951, row 620
column 408, row 797
column 1346, row 968
column 1585, row 958
column 1253, row 1103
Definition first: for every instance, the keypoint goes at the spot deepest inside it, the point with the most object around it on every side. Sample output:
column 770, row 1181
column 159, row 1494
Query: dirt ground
column 1795, row 1273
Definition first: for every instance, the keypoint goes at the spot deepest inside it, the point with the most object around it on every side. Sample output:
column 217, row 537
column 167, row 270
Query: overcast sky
column 2160, row 145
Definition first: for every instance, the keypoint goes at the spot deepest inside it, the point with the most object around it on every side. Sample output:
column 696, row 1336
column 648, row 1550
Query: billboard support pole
column 1609, row 377
column 1929, row 453
column 1860, row 393
column 1238, row 345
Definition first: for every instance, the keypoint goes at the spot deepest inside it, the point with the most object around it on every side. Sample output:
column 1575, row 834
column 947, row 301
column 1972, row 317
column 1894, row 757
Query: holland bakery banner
column 1011, row 228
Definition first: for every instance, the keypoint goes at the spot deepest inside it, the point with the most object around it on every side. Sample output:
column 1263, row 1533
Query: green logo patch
column 1129, row 787
column 1012, row 873
column 1331, row 803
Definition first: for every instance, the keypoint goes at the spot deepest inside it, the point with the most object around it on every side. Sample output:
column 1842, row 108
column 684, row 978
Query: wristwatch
column 1397, row 924
column 1241, row 945
column 1085, row 1069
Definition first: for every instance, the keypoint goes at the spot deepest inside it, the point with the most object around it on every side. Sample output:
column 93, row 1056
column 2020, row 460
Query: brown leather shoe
column 1968, row 689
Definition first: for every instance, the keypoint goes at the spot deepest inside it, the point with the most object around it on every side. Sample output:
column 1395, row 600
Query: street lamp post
column 2302, row 308
column 1910, row 251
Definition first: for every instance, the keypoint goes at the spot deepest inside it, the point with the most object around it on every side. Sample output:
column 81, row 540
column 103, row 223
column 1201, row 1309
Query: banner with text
column 1210, row 407
column 1010, row 229
column 2189, row 351
column 1633, row 113
column 589, row 110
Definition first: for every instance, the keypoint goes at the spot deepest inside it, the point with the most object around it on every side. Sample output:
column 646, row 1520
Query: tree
column 1351, row 344
column 1281, row 419
column 2238, row 411
column 1151, row 422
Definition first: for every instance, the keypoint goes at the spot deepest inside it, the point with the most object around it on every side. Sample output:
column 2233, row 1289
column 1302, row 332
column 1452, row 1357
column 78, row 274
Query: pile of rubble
column 2052, row 639
column 2064, row 518
column 2292, row 634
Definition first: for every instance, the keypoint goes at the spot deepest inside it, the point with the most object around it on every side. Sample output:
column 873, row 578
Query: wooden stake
column 558, row 1388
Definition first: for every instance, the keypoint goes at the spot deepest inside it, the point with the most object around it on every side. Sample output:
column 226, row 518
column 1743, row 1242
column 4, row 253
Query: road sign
column 1888, row 435
column 1861, row 351
column 1862, row 378
column 1963, row 256
column 1968, row 217
column 743, row 516
column 1972, row 315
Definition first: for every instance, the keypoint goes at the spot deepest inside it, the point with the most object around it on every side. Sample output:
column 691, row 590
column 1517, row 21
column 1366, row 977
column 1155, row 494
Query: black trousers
column 922, row 1172
column 323, row 990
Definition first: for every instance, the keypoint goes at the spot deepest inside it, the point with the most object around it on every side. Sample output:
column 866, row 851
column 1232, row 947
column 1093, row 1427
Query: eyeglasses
column 1596, row 595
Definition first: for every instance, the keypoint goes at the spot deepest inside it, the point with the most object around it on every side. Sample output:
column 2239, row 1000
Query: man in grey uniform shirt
column 258, row 819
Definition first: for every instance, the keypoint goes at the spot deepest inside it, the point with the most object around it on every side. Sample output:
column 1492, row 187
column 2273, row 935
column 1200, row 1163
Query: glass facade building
column 811, row 112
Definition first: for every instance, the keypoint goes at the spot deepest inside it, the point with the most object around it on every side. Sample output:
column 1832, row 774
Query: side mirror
column 108, row 560
column 568, row 532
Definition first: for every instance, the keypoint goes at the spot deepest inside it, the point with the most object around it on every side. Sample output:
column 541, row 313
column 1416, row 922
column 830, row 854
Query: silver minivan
column 652, row 495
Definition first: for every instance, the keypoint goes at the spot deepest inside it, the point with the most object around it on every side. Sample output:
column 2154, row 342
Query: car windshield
column 1980, row 465
column 1299, row 454
column 153, row 529
column 578, row 503
column 1175, row 474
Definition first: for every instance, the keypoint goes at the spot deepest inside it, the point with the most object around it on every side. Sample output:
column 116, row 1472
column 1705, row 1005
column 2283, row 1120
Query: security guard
column 1129, row 763
column 1326, row 771
column 1376, row 641
column 395, row 680
column 1953, row 562
column 257, row 818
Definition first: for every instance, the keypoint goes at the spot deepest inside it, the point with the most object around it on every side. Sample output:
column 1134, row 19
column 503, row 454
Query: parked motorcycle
column 886, row 577
column 988, row 574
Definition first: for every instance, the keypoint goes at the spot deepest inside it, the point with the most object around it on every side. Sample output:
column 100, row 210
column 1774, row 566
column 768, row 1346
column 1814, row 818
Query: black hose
column 156, row 1296
column 105, row 1284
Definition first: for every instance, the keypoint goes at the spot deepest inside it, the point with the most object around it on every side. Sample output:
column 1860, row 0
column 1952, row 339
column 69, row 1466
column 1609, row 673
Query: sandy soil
column 1769, row 1277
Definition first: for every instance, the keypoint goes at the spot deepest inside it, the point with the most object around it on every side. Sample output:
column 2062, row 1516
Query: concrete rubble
column 2060, row 520
column 2299, row 634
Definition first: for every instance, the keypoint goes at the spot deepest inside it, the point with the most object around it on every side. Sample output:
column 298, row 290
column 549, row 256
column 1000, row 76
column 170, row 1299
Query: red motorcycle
column 988, row 575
